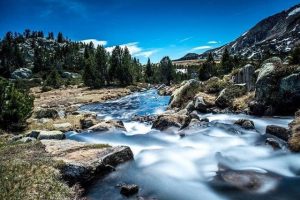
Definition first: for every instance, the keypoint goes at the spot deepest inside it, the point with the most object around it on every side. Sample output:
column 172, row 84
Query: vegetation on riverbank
column 28, row 172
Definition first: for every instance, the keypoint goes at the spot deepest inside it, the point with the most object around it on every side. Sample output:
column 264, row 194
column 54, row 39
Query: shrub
column 15, row 106
column 53, row 80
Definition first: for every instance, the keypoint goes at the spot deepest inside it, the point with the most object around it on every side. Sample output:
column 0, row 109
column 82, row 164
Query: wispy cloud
column 135, row 50
column 201, row 48
column 213, row 42
column 95, row 42
column 146, row 54
column 185, row 39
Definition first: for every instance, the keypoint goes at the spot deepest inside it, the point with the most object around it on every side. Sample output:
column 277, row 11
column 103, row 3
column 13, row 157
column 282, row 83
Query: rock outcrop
column 82, row 162
column 46, row 135
column 277, row 89
column 294, row 140
column 184, row 94
column 246, row 75
column 226, row 97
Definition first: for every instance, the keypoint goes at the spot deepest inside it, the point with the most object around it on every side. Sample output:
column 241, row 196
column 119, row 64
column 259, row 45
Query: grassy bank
column 28, row 172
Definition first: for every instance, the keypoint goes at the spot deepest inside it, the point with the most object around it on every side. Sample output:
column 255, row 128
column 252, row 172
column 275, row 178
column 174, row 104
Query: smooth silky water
column 167, row 166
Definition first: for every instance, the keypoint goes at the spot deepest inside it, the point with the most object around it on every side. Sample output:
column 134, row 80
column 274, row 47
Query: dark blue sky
column 152, row 28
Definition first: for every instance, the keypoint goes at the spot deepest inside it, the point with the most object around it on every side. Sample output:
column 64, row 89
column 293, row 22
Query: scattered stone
column 108, row 125
column 278, row 131
column 129, row 190
column 83, row 162
column 245, row 123
column 47, row 113
column 273, row 143
column 88, row 122
column 27, row 139
column 21, row 73
column 64, row 127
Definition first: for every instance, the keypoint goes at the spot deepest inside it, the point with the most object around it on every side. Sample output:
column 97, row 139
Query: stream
column 169, row 167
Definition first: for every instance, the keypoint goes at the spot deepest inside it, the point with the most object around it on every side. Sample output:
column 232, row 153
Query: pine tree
column 54, row 79
column 167, row 70
column 115, row 63
column 149, row 72
column 60, row 37
column 125, row 76
column 227, row 62
column 90, row 77
column 101, row 57
column 206, row 69
column 38, row 62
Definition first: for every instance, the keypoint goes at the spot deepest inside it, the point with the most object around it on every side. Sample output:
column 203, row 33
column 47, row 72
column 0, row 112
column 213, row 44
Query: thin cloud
column 185, row 39
column 213, row 42
column 95, row 42
column 201, row 48
column 146, row 54
column 134, row 50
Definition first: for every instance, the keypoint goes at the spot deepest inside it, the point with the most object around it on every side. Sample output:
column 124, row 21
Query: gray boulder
column 83, row 162
column 51, row 135
column 226, row 97
column 246, row 75
column 184, row 94
column 245, row 123
column 279, row 132
column 70, row 75
column 200, row 104
column 163, row 122
column 47, row 113
column 21, row 73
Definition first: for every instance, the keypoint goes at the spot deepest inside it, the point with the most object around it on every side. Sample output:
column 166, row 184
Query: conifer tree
column 101, row 57
column 60, row 37
column 167, row 70
column 227, row 62
column 115, row 63
column 149, row 72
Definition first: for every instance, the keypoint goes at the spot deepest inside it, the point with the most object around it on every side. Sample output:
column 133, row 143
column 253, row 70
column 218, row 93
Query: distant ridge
column 277, row 34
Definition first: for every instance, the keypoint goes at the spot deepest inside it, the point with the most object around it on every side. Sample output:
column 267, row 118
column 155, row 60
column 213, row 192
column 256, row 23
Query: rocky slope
column 277, row 34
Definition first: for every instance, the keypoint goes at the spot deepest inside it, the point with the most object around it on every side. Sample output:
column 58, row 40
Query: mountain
column 277, row 34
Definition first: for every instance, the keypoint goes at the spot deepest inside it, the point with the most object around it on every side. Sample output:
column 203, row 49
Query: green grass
column 28, row 172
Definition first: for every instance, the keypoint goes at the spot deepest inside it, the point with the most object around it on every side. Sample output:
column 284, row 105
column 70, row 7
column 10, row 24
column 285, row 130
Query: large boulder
column 163, row 122
column 107, row 126
column 277, row 89
column 294, row 140
column 226, row 97
column 46, row 135
column 246, row 75
column 200, row 104
column 289, row 90
column 184, row 94
column 21, row 73
column 83, row 162
column 278, row 131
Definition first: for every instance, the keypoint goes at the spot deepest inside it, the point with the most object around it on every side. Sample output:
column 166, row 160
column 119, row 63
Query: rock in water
column 108, row 125
column 163, row 122
column 245, row 123
column 246, row 75
column 129, row 190
column 184, row 94
column 21, row 73
column 83, row 162
column 278, row 131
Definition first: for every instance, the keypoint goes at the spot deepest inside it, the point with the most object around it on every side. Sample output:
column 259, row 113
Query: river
column 169, row 167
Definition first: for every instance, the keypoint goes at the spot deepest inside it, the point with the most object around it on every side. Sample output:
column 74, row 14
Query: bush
column 53, row 80
column 15, row 106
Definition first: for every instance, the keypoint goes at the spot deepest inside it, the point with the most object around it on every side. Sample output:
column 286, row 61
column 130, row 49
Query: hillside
column 275, row 35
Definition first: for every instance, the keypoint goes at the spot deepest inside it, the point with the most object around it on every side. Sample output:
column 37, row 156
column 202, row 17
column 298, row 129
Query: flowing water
column 167, row 166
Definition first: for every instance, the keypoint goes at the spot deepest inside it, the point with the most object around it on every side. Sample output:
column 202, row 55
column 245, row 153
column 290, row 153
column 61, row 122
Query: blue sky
column 150, row 28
